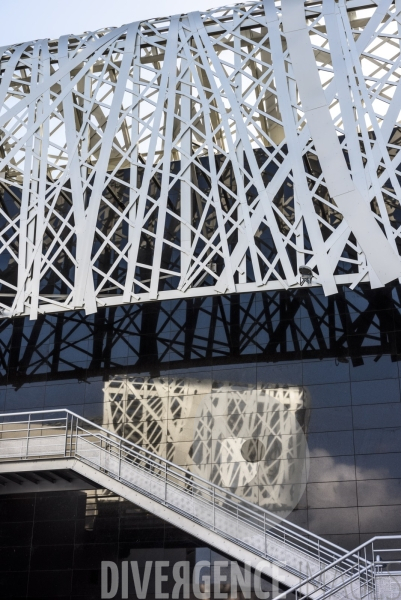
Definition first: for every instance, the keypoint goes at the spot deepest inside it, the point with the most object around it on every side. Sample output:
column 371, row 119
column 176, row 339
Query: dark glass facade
column 331, row 366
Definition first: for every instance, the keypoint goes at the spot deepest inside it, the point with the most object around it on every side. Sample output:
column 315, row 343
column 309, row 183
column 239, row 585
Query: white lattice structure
column 240, row 438
column 206, row 153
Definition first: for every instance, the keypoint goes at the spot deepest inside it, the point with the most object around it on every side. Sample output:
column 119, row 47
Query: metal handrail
column 113, row 454
column 371, row 568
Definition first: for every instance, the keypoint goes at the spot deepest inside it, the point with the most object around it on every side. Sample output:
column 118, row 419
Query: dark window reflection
column 227, row 387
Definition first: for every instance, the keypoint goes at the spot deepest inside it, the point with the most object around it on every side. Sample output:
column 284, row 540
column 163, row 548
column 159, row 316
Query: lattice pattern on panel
column 201, row 154
column 248, row 440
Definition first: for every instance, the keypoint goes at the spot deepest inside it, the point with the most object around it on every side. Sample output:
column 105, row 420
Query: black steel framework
column 271, row 327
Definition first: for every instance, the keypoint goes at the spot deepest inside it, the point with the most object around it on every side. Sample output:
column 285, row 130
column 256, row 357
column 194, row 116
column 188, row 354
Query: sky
column 25, row 20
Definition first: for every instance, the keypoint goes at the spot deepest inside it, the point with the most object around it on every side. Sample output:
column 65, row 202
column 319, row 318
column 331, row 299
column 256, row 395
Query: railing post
column 76, row 434
column 66, row 434
column 72, row 437
column 363, row 575
column 165, row 483
column 70, row 426
column 119, row 463
column 237, row 520
column 27, row 435
column 214, row 509
column 373, row 573
column 264, row 533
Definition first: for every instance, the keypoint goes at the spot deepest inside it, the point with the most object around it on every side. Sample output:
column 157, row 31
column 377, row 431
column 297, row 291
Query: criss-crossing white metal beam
column 208, row 153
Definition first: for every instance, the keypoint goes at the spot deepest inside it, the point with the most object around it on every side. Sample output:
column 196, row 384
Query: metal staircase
column 70, row 447
column 377, row 576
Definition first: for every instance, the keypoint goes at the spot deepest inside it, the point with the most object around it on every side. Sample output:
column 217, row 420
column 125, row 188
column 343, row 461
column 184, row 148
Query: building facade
column 135, row 370
column 200, row 253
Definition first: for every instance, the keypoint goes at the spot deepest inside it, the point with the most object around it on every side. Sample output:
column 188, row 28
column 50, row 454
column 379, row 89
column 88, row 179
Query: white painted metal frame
column 208, row 153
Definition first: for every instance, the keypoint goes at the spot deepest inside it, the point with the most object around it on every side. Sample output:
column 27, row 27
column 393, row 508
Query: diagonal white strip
column 54, row 79
column 226, row 280
column 85, row 293
column 74, row 168
column 236, row 113
column 243, row 135
column 41, row 144
column 141, row 215
column 28, row 206
column 301, row 189
column 354, row 208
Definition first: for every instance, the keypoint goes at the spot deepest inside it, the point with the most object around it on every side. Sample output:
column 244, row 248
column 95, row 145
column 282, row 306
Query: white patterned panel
column 201, row 154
